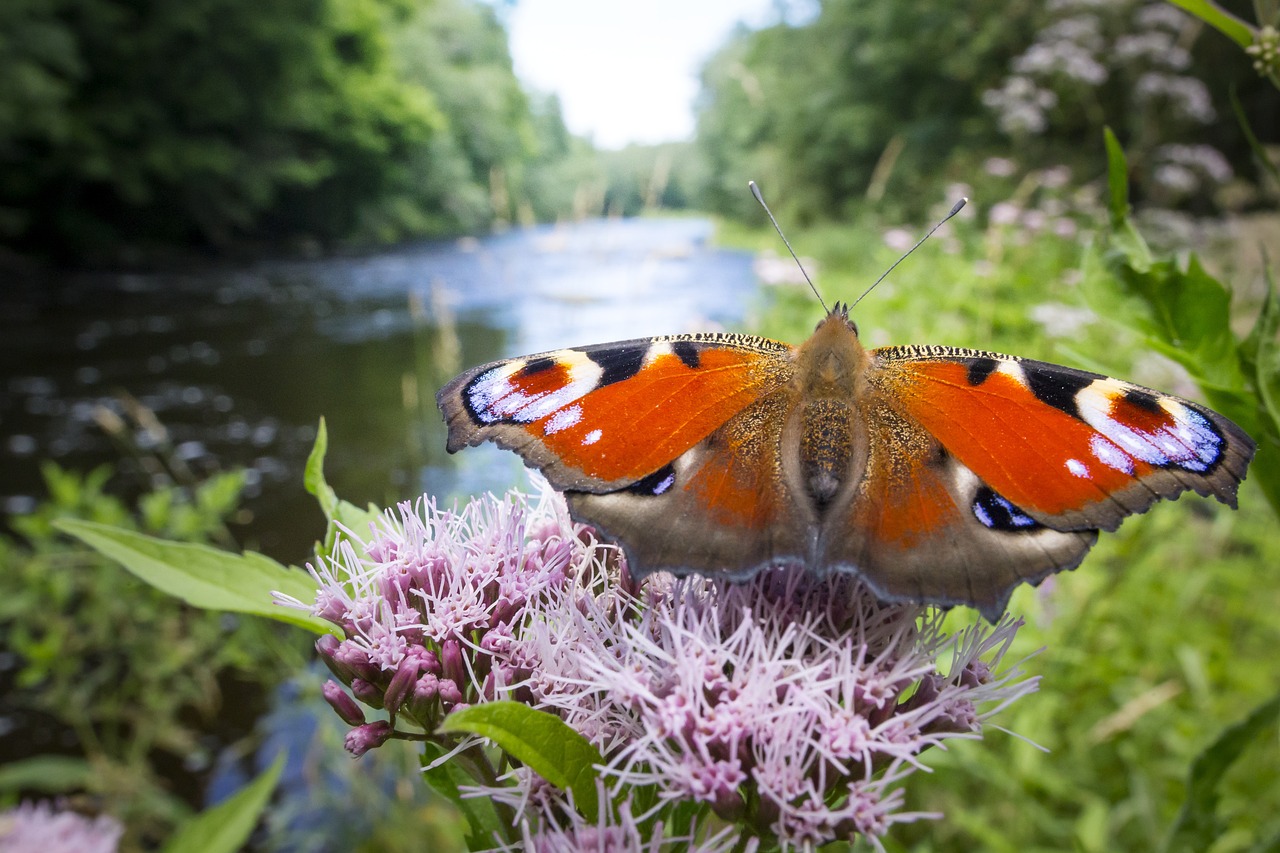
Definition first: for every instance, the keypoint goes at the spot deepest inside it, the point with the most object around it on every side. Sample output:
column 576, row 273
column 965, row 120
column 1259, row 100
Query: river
column 238, row 364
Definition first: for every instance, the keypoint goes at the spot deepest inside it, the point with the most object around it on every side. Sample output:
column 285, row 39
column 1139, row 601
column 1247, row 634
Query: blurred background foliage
column 131, row 128
column 139, row 131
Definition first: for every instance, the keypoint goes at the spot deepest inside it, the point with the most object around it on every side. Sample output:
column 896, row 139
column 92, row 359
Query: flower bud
column 449, row 692
column 366, row 692
column 341, row 702
column 401, row 683
column 422, row 700
column 452, row 662
column 361, row 739
column 427, row 660
column 355, row 659
column 327, row 647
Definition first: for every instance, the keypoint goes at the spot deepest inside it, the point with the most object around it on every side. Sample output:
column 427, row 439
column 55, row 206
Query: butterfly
column 939, row 475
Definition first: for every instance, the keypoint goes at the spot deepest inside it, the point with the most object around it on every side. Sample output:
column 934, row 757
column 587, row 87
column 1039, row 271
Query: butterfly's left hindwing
column 601, row 418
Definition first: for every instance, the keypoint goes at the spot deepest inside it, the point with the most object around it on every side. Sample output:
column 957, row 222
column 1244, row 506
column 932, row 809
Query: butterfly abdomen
column 825, row 450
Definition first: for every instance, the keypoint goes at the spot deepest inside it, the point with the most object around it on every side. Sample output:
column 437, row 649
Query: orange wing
column 600, row 418
column 1072, row 449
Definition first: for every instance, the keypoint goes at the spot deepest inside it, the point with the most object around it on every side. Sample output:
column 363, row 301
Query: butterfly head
column 830, row 362
column 839, row 314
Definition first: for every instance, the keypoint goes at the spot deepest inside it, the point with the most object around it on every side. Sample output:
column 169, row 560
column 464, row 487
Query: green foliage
column 132, row 677
column 864, row 98
column 204, row 577
column 1218, row 18
column 468, row 175
column 447, row 779
column 336, row 510
column 224, row 123
column 1199, row 825
column 882, row 103
column 646, row 178
column 199, row 122
column 539, row 740
column 225, row 828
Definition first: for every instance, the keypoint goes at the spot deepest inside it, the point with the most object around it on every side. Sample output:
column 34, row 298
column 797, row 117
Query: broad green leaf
column 1198, row 825
column 202, row 576
column 1218, row 18
column 50, row 774
column 1184, row 315
column 484, row 825
column 226, row 827
column 335, row 509
column 539, row 739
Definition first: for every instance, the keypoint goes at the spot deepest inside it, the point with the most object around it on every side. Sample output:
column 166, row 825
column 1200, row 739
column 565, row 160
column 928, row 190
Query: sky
column 625, row 71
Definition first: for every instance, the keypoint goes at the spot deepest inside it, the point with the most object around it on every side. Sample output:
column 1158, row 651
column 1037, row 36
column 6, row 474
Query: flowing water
column 238, row 365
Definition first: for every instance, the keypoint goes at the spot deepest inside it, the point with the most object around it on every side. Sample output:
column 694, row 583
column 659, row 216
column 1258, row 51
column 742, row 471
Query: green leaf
column 1260, row 352
column 336, row 510
column 1218, row 18
column 313, row 474
column 1124, row 238
column 1260, row 359
column 226, row 826
column 483, row 822
column 539, row 739
column 1117, row 178
column 51, row 774
column 1198, row 825
column 1183, row 313
column 202, row 576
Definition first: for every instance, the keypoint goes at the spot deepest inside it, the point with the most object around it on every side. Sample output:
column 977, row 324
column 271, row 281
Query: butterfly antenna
column 960, row 204
column 755, row 191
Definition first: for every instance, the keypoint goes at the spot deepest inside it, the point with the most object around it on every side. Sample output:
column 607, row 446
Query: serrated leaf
column 540, row 740
column 202, row 576
column 226, row 827
column 1185, row 314
column 1198, row 825
column 1218, row 18
column 483, row 823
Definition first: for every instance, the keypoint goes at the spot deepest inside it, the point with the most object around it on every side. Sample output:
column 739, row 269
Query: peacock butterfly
column 937, row 474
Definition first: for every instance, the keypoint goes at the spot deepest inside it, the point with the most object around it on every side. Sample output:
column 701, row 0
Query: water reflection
column 239, row 364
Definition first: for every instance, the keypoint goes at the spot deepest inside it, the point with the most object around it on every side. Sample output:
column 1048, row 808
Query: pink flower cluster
column 790, row 707
column 429, row 605
column 47, row 829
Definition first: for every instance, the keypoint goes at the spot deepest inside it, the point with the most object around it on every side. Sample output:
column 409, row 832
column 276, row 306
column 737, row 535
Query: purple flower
column 40, row 826
column 369, row 736
column 429, row 602
column 791, row 707
column 546, row 826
